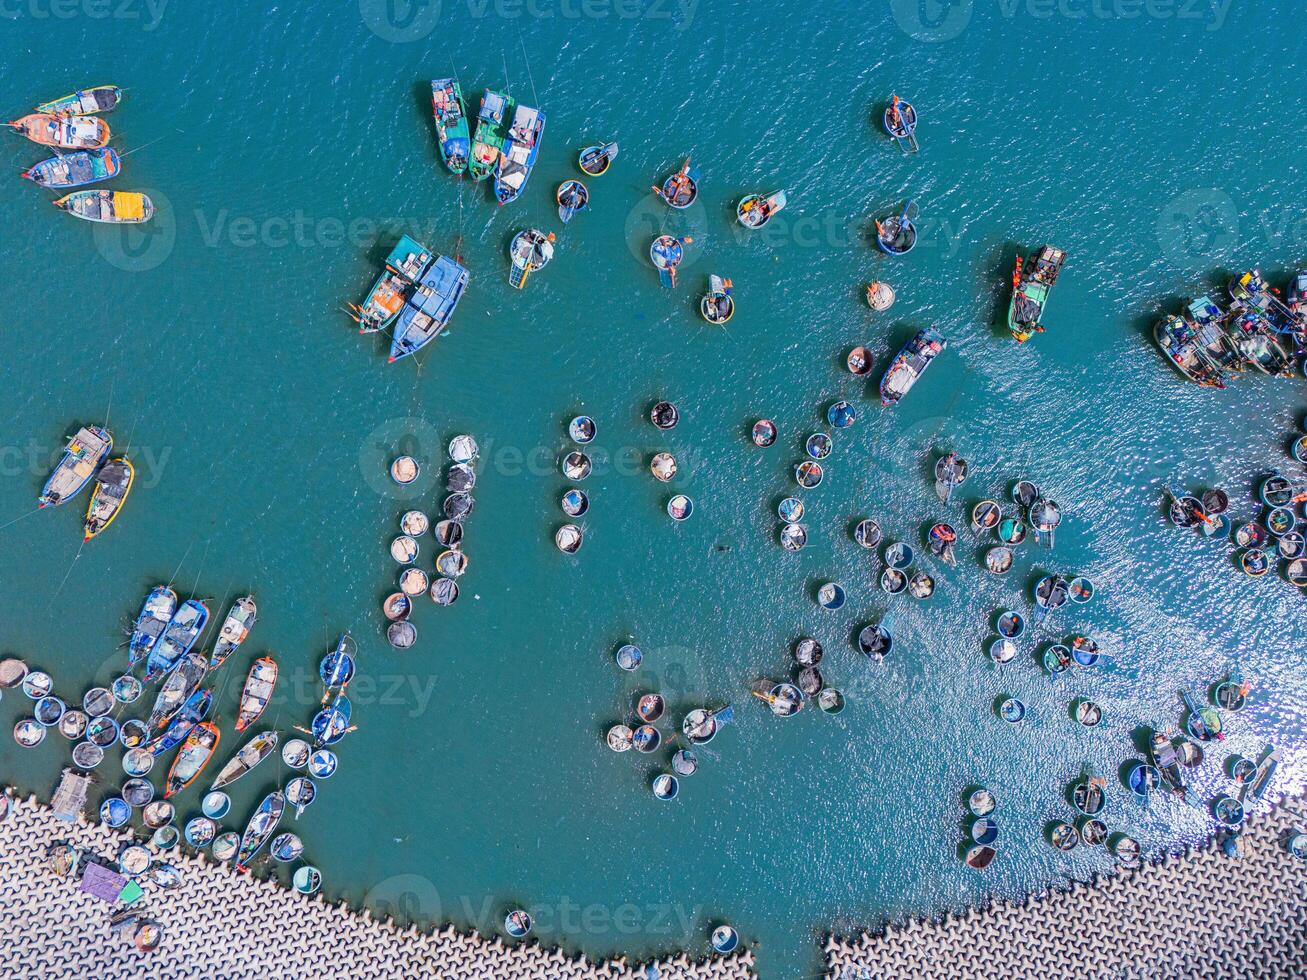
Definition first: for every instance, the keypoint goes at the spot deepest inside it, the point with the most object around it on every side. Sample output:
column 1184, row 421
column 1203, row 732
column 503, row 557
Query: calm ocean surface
column 286, row 149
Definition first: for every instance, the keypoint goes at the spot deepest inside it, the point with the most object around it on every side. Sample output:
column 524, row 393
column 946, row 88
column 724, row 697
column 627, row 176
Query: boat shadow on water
column 1141, row 738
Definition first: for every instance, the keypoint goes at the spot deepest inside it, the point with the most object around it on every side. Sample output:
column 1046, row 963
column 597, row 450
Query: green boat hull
column 493, row 120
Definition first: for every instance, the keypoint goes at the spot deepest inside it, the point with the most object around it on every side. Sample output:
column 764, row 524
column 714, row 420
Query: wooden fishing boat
column 235, row 628
column 1204, row 722
column 1032, row 281
column 488, row 140
column 1178, row 342
column 941, row 539
column 176, row 689
column 193, row 756
column 1167, row 761
column 681, row 189
column 331, row 724
column 85, row 451
column 154, row 617
column 876, row 641
column 1057, row 659
column 260, row 828
column 246, row 758
column 530, row 250
column 900, row 121
column 405, row 265
column 718, row 305
column 451, row 123
column 85, row 102
column 595, row 160
column 1051, row 592
column 337, row 668
column 1206, row 321
column 980, row 857
column 985, row 516
column 1089, row 795
column 516, row 161
column 667, row 253
column 572, row 196
column 428, row 310
column 259, row 683
column 180, row 635
column 1266, row 765
column 108, row 207
column 1253, row 337
column 187, row 717
column 1250, row 291
column 1254, row 563
column 64, row 132
column 1232, row 693
column 950, row 473
column 909, row 365
column 897, row 235
column 1064, row 836
column 75, row 169
column 756, row 210
column 112, row 485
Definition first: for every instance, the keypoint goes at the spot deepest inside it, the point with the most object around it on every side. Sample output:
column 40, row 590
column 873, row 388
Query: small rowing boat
column 192, row 757
column 246, row 758
column 1204, row 722
column 681, row 189
column 909, row 365
column 235, row 628
column 112, row 485
column 513, row 169
column 151, row 621
column 1167, row 760
column 950, row 473
column 900, row 121
column 897, row 235
column 259, row 683
column 595, row 160
column 405, row 265
column 331, row 724
column 980, row 857
column 64, row 132
column 572, row 196
column 1032, row 281
column 428, row 309
column 530, row 249
column 337, row 668
column 1089, row 795
column 85, row 451
column 667, row 253
column 451, row 123
column 1256, row 341
column 941, row 539
column 85, row 102
column 756, row 210
column 985, row 516
column 488, row 140
column 1232, row 693
column 260, row 828
column 1266, row 765
column 717, row 305
column 108, row 207
column 1177, row 341
column 75, row 169
column 176, row 690
column 183, row 630
column 876, row 641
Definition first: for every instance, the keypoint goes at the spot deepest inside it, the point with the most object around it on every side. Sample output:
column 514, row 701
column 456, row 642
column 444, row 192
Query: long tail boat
column 451, row 123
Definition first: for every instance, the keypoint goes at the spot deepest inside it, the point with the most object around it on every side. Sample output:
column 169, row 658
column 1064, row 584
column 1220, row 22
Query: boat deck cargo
column 85, row 452
column 427, row 311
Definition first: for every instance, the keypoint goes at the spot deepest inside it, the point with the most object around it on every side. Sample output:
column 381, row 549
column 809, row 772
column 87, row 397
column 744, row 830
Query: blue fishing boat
column 85, row 451
column 900, row 121
column 516, row 161
column 260, row 828
column 572, row 196
column 427, row 311
column 529, row 250
column 337, row 667
column 595, row 160
column 331, row 724
column 154, row 617
column 909, row 364
column 183, row 722
column 183, row 630
column 1204, row 722
column 681, row 189
column 179, row 686
column 75, row 169
column 1266, row 766
column 897, row 235
column 666, row 252
column 405, row 266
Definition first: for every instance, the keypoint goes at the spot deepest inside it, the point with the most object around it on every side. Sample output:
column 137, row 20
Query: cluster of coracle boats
column 72, row 128
column 1212, row 338
column 86, row 457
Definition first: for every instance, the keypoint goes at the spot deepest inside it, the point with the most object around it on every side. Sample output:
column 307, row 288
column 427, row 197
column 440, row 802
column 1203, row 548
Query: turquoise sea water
column 286, row 148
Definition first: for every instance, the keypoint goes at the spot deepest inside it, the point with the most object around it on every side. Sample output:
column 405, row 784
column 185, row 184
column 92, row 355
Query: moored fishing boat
column 176, row 690
column 85, row 451
column 1032, row 281
column 246, row 758
column 180, row 635
column 1167, row 761
column 681, row 189
column 331, row 724
column 667, row 253
column 259, row 683
column 112, row 485
column 516, row 161
column 909, row 364
column 529, row 250
column 950, row 473
column 897, row 235
column 980, row 857
column 1206, row 320
column 1251, row 291
column 108, row 207
column 64, row 132
column 85, row 102
column 572, row 196
column 260, row 828
column 337, row 668
column 405, row 265
column 1266, row 765
column 192, row 757
column 488, row 140
column 1204, row 722
column 451, row 123
column 1232, row 693
column 75, row 169
column 1177, row 341
column 235, row 628
column 187, row 717
column 756, row 210
column 941, row 539
column 595, row 160
column 151, row 621
column 900, row 121
column 1253, row 337
column 718, row 305
column 427, row 311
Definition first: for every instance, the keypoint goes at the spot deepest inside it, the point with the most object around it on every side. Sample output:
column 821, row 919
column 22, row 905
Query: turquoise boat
column 488, row 141
column 516, row 162
column 75, row 169
column 405, row 266
column 451, row 123
column 428, row 309
column 1032, row 281
column 85, row 451
column 85, row 102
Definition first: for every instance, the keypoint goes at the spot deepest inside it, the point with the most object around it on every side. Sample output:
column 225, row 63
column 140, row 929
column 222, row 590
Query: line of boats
column 86, row 457
column 505, row 144
column 72, row 124
column 1212, row 338
column 414, row 297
